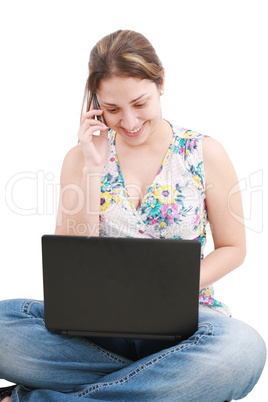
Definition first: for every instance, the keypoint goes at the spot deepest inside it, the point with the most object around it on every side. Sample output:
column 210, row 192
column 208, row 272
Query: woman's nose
column 129, row 120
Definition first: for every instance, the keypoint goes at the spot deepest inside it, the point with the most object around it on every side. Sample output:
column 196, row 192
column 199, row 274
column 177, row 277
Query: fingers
column 90, row 123
column 91, row 114
column 89, row 128
column 88, row 119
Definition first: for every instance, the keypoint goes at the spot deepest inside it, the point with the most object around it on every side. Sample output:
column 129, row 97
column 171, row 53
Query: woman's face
column 131, row 107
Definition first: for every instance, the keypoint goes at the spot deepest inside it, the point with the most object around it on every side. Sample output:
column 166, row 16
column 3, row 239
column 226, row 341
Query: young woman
column 136, row 174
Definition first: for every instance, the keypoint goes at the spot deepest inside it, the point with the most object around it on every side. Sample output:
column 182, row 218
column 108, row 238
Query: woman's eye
column 140, row 104
column 112, row 110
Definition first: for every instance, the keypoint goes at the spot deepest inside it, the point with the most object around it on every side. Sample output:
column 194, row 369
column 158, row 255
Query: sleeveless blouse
column 174, row 206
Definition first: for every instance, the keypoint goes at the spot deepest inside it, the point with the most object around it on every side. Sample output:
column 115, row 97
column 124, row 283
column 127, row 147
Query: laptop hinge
column 118, row 335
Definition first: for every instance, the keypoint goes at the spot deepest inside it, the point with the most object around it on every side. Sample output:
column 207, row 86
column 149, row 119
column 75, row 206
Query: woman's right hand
column 94, row 147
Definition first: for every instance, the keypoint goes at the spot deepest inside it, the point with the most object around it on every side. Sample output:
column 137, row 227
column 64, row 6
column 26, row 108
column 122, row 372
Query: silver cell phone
column 96, row 106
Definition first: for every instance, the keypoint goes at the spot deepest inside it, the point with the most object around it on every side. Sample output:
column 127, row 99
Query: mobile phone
column 96, row 106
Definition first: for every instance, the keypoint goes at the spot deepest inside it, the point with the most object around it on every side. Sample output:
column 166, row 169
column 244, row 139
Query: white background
column 215, row 57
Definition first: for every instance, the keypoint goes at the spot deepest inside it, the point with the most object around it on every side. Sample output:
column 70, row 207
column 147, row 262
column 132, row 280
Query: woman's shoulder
column 72, row 165
column 188, row 144
column 74, row 154
column 193, row 144
column 218, row 166
column 214, row 153
column 185, row 133
column 211, row 147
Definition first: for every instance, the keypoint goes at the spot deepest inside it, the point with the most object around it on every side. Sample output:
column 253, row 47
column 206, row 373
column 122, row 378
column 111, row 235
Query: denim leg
column 32, row 356
column 223, row 360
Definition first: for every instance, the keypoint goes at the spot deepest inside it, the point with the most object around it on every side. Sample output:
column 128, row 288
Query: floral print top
column 174, row 206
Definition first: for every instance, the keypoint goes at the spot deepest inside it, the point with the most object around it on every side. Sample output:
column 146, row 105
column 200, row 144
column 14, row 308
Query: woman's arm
column 223, row 206
column 79, row 202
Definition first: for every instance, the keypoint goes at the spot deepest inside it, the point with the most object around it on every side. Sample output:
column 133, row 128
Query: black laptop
column 121, row 287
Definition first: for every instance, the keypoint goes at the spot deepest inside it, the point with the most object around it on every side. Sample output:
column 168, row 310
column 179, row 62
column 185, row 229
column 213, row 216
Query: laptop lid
column 121, row 287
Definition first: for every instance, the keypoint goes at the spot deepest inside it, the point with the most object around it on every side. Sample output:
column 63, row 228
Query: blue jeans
column 222, row 361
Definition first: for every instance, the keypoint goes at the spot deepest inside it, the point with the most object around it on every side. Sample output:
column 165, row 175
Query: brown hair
column 123, row 53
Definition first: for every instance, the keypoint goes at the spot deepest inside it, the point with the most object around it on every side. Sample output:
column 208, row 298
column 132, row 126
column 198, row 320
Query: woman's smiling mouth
column 134, row 133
